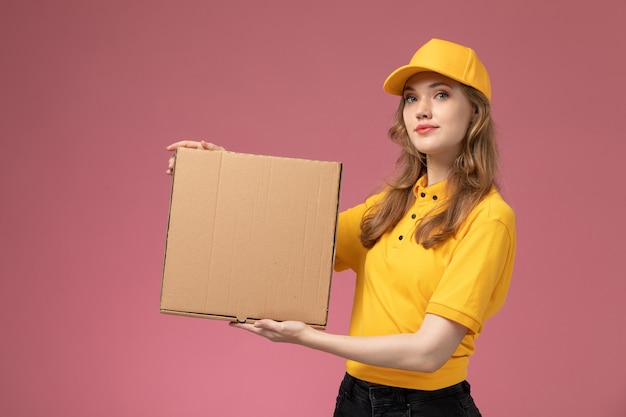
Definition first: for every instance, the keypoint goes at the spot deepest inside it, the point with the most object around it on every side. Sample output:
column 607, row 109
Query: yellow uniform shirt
column 465, row 279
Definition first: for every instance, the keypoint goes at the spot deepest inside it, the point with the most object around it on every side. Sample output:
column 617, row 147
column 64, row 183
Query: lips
column 424, row 129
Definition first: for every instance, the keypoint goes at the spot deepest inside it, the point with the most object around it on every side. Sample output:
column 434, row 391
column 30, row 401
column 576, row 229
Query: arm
column 427, row 350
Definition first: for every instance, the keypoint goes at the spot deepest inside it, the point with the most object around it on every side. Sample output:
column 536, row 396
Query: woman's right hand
column 189, row 144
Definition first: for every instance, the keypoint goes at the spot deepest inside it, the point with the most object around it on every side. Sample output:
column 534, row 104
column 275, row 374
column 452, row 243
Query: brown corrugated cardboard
column 250, row 237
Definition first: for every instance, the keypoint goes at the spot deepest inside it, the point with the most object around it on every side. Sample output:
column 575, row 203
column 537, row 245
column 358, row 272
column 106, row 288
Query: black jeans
column 358, row 398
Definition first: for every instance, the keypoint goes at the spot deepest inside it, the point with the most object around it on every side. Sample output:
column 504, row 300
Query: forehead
column 428, row 79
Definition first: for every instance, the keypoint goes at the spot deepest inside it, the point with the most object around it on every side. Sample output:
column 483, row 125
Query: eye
column 441, row 95
column 410, row 99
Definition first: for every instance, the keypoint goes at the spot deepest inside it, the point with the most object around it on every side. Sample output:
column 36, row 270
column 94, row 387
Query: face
column 437, row 114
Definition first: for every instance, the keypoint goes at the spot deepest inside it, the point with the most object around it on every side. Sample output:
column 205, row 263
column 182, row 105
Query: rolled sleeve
column 476, row 281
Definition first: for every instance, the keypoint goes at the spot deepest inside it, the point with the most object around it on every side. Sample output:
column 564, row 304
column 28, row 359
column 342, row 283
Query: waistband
column 371, row 391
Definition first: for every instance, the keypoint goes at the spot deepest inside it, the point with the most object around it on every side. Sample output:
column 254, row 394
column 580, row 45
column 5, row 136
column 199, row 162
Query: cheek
column 407, row 121
column 405, row 116
column 464, row 119
column 468, row 114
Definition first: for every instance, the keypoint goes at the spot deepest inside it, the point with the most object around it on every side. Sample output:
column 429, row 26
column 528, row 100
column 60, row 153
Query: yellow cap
column 446, row 58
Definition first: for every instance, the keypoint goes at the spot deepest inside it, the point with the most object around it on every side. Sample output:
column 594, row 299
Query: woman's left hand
column 281, row 332
column 192, row 144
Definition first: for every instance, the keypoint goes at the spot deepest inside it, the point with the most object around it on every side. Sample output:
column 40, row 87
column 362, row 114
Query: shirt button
column 434, row 197
column 422, row 195
column 413, row 216
column 400, row 237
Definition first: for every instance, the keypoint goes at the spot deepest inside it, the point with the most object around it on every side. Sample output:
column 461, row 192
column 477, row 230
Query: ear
column 475, row 115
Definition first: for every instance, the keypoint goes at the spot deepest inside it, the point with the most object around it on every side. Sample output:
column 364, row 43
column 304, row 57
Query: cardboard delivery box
column 250, row 237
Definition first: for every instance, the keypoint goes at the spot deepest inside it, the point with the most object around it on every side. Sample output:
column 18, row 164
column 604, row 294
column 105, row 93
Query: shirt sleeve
column 476, row 280
column 349, row 252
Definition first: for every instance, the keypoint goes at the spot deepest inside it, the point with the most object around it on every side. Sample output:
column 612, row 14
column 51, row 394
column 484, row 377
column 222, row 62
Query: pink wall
column 92, row 91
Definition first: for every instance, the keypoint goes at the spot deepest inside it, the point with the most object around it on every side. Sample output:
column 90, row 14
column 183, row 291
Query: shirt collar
column 432, row 193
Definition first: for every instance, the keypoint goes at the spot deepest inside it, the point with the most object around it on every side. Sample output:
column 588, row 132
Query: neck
column 437, row 170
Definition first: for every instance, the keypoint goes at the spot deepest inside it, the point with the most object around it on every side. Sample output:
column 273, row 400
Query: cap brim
column 394, row 84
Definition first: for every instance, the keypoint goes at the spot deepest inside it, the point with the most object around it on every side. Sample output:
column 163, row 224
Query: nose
column 423, row 110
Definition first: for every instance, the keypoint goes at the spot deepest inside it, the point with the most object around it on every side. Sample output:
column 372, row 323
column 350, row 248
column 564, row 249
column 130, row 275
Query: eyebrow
column 430, row 86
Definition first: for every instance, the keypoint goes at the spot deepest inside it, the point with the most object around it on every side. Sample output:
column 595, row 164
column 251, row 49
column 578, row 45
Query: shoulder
column 371, row 201
column 494, row 210
column 492, row 219
column 375, row 199
column 356, row 213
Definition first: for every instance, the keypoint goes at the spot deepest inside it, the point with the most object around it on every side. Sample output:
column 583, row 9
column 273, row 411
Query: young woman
column 433, row 253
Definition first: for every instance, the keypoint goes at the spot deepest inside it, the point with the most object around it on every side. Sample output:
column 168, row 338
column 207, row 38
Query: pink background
column 91, row 92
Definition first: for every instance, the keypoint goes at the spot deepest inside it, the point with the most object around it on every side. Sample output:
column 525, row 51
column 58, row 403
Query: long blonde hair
column 472, row 177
